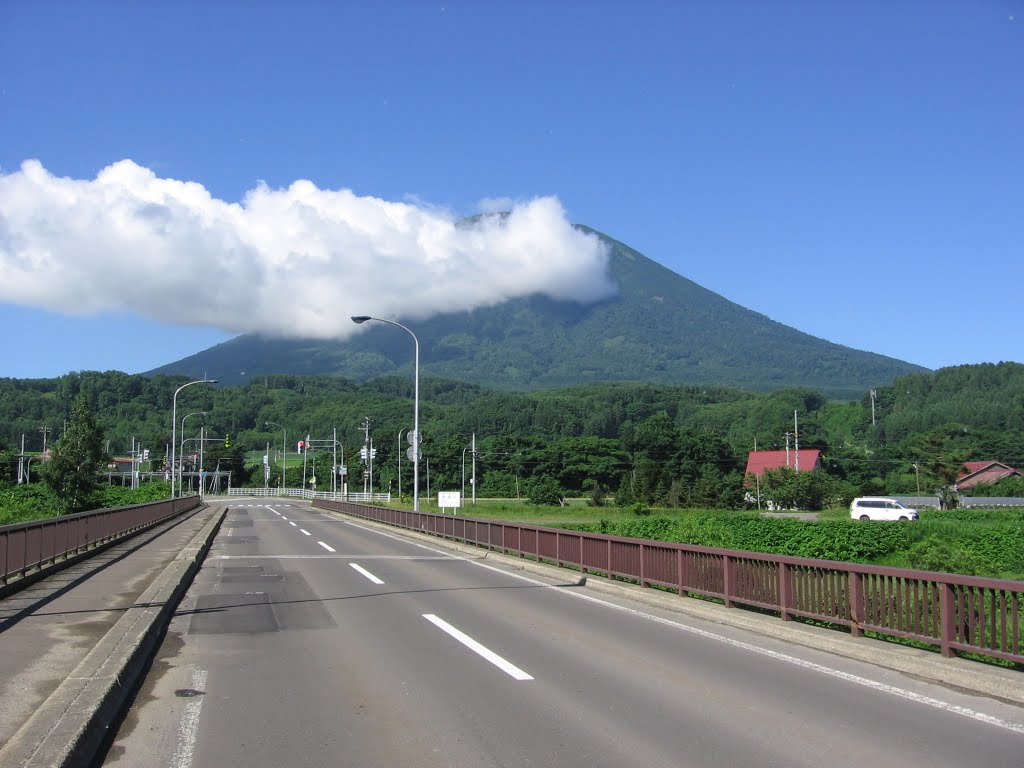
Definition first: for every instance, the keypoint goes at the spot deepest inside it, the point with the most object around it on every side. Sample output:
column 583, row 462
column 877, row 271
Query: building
column 977, row 472
column 805, row 460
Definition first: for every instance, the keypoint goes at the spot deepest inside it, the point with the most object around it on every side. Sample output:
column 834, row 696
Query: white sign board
column 449, row 499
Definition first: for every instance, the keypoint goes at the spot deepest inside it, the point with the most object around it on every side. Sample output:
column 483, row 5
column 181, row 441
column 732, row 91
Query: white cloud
column 290, row 262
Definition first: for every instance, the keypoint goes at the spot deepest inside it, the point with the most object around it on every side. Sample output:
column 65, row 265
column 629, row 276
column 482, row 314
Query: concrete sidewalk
column 72, row 643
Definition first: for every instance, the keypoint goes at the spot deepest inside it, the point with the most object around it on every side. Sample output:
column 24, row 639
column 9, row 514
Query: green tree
column 544, row 491
column 77, row 458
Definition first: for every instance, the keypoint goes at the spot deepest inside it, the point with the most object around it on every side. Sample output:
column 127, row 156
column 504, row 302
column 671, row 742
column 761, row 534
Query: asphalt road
column 307, row 640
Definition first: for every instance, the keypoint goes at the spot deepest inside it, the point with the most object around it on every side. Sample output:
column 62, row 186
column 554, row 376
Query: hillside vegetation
column 660, row 327
column 652, row 444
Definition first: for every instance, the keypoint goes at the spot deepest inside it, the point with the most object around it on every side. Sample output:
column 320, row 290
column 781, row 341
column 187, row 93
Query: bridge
column 281, row 631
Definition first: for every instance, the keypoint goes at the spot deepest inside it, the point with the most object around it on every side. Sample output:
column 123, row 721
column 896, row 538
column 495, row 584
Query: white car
column 880, row 508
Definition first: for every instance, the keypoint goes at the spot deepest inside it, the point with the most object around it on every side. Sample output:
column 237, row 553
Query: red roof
column 759, row 461
column 974, row 466
column 984, row 472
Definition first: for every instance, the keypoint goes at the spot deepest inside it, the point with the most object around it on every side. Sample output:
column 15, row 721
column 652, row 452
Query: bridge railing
column 26, row 547
column 951, row 612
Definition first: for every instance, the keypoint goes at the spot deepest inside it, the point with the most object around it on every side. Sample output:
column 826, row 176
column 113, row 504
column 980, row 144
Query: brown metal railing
column 951, row 612
column 25, row 547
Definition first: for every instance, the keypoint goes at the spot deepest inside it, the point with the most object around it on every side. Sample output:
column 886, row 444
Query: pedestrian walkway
column 47, row 629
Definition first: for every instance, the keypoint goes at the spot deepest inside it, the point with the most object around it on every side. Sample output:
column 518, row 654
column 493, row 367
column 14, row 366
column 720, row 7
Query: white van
column 880, row 508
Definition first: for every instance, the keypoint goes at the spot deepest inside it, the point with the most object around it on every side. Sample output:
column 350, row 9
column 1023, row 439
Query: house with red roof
column 977, row 472
column 804, row 460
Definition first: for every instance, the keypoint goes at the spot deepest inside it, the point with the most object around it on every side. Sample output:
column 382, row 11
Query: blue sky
column 854, row 170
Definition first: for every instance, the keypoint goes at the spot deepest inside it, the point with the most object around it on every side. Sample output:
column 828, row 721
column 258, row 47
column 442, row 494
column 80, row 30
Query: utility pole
column 473, row 478
column 305, row 452
column 367, row 455
column 45, row 430
column 787, row 448
column 202, row 444
column 874, row 393
column 400, row 462
column 796, row 439
column 21, row 461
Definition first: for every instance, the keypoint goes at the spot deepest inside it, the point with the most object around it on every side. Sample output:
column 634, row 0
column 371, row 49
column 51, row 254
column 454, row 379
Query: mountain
column 660, row 327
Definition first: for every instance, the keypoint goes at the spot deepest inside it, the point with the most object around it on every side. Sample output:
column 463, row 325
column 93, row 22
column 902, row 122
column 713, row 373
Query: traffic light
column 227, row 441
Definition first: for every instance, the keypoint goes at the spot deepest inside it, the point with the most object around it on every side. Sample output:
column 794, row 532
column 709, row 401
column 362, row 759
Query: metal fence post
column 785, row 593
column 856, row 607
column 727, row 577
column 643, row 581
column 947, row 617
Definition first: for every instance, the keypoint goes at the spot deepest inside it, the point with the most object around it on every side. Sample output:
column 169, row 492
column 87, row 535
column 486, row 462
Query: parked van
column 880, row 508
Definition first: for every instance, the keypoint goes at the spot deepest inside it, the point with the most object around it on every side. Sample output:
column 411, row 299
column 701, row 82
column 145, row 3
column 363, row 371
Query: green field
column 972, row 542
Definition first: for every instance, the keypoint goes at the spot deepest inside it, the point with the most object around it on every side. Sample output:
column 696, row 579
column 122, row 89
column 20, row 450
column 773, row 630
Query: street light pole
column 359, row 319
column 174, row 424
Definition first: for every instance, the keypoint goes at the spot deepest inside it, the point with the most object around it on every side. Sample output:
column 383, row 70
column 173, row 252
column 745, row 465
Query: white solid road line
column 305, row 531
column 507, row 667
column 366, row 573
column 188, row 728
column 328, row 547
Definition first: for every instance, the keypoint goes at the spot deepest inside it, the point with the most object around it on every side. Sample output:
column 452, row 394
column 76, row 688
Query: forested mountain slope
column 600, row 431
column 660, row 327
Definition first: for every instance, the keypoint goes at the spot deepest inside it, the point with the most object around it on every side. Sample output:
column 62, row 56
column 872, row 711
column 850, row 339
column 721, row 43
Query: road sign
column 411, row 437
column 410, row 453
column 449, row 500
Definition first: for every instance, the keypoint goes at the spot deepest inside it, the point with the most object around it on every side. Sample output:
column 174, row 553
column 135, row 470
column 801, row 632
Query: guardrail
column 951, row 612
column 300, row 493
column 25, row 547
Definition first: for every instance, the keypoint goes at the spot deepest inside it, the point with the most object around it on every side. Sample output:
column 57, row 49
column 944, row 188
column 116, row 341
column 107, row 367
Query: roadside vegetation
column 972, row 542
column 631, row 455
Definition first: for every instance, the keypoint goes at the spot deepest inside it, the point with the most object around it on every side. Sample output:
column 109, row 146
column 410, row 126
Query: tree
column 544, row 491
column 77, row 458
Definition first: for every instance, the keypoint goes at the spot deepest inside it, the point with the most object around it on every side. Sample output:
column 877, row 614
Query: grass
column 576, row 512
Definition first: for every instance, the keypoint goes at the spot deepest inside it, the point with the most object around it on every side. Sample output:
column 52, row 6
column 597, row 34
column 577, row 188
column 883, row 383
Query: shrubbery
column 940, row 542
column 35, row 501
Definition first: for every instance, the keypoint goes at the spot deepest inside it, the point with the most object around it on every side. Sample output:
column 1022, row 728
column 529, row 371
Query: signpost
column 449, row 500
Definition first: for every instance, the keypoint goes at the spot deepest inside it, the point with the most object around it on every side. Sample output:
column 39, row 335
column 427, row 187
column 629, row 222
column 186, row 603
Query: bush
column 544, row 491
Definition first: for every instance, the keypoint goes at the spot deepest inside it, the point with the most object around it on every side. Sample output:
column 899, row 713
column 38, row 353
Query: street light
column 917, row 471
column 284, row 448
column 358, row 320
column 174, row 424
column 181, row 445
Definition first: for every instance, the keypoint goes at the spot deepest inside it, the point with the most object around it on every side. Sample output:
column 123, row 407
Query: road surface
column 310, row 640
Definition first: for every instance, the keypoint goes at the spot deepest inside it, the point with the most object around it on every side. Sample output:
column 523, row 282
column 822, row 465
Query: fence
column 36, row 544
column 991, row 501
column 300, row 493
column 954, row 613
